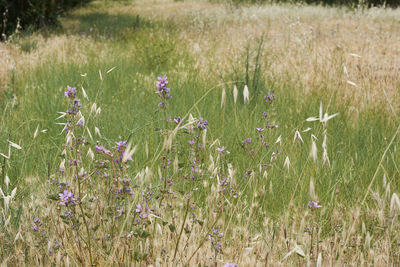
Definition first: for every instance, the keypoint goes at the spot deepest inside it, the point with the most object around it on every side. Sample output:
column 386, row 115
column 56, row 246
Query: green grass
column 129, row 105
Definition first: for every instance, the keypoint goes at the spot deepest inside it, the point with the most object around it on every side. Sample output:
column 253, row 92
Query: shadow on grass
column 112, row 26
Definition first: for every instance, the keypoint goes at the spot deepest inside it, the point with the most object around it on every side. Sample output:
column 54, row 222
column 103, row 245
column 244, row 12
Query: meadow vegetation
column 272, row 140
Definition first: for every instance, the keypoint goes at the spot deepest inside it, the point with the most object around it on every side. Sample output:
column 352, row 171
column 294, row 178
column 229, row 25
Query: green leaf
column 53, row 196
column 144, row 234
column 171, row 227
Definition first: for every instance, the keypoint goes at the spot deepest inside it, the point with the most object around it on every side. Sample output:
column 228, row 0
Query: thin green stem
column 182, row 227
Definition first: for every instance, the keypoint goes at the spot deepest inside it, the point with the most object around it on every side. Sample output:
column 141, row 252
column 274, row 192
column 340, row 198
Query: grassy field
column 316, row 89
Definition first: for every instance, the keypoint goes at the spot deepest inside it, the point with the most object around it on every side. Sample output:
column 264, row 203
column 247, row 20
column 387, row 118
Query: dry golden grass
column 281, row 242
column 353, row 53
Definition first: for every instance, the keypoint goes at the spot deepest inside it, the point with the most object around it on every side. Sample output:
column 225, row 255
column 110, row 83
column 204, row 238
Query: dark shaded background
column 33, row 13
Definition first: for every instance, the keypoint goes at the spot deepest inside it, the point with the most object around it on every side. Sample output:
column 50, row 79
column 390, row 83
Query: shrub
column 35, row 14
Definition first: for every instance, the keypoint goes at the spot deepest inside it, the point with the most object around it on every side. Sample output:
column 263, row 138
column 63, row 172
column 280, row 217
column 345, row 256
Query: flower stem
column 183, row 225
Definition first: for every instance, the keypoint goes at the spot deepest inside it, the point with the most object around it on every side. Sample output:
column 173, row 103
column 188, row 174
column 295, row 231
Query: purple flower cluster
column 126, row 188
column 75, row 107
column 37, row 224
column 121, row 146
column 202, row 124
column 71, row 92
column 73, row 110
column 195, row 167
column 270, row 97
column 177, row 120
column 102, row 149
column 165, row 162
column 224, row 183
column 61, row 186
column 227, row 188
column 162, row 86
column 246, row 141
column 313, row 205
column 142, row 210
column 66, row 198
column 162, row 91
column 216, row 237
column 222, row 150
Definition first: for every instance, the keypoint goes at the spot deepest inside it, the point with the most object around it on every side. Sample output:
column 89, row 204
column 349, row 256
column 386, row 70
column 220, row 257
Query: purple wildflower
column 162, row 90
column 165, row 163
column 222, row 150
column 314, row 205
column 74, row 109
column 119, row 211
column 100, row 149
column 270, row 97
column 177, row 120
column 66, row 198
column 202, row 124
column 121, row 145
column 71, row 92
column 225, row 186
column 126, row 181
column 216, row 236
column 247, row 141
column 229, row 264
column 162, row 105
column 259, row 130
column 37, row 225
column 140, row 209
column 162, row 82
